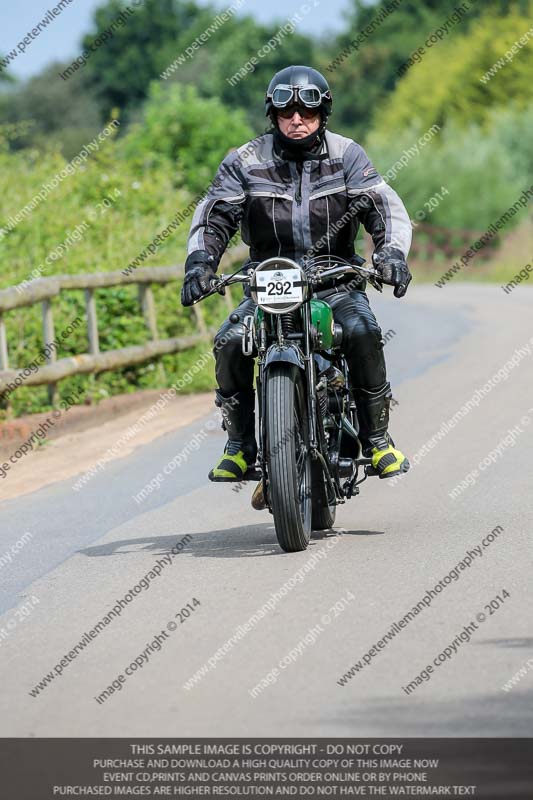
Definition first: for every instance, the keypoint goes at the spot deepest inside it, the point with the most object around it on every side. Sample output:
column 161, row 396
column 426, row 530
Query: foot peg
column 253, row 473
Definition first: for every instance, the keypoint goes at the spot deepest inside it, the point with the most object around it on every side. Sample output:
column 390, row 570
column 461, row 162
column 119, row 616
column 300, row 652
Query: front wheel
column 289, row 462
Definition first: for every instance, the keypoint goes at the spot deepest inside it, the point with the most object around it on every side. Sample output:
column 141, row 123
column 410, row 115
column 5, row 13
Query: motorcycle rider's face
column 296, row 123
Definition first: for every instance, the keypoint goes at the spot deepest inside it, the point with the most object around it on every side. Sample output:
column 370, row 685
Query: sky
column 60, row 40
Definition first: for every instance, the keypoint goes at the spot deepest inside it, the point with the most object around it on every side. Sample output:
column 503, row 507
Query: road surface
column 228, row 636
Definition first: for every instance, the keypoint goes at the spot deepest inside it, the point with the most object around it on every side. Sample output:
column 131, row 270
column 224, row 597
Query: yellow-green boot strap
column 231, row 466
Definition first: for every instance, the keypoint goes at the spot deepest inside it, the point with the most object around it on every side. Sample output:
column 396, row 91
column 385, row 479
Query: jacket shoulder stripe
column 337, row 145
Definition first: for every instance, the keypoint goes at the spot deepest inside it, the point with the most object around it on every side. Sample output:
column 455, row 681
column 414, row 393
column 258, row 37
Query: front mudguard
column 284, row 352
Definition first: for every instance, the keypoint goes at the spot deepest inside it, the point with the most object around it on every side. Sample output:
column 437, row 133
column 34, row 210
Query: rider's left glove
column 199, row 272
column 392, row 266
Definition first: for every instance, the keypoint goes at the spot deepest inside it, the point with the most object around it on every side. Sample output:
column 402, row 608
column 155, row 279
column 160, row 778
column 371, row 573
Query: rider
column 301, row 190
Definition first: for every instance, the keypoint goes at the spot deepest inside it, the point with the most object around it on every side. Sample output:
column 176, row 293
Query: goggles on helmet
column 309, row 96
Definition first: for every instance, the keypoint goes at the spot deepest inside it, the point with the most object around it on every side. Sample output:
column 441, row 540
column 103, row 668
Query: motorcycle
column 309, row 452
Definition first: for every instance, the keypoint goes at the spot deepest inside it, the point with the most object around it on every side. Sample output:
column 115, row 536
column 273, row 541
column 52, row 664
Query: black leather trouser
column 362, row 345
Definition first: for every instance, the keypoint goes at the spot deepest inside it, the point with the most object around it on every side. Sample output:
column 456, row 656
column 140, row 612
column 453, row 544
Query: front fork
column 311, row 386
column 259, row 338
column 312, row 403
column 253, row 338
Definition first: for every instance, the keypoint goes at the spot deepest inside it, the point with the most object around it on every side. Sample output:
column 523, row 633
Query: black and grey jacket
column 289, row 208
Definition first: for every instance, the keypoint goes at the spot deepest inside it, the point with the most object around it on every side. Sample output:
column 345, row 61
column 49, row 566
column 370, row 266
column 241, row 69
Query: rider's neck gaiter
column 306, row 149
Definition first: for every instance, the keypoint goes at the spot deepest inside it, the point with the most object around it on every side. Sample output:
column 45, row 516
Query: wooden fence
column 431, row 241
column 428, row 241
column 44, row 290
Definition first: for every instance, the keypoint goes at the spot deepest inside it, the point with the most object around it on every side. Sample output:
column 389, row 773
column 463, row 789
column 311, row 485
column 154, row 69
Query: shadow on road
column 363, row 533
column 498, row 714
column 249, row 541
column 508, row 642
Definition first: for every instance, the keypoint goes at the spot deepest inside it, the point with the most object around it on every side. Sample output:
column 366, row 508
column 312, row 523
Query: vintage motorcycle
column 310, row 454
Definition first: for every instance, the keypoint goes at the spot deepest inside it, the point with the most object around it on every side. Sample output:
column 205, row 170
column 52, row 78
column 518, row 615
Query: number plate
column 276, row 286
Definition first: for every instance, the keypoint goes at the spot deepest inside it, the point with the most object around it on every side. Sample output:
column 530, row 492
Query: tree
column 53, row 111
column 5, row 77
column 162, row 32
column 133, row 54
column 189, row 133
column 464, row 91
column 369, row 73
column 224, row 68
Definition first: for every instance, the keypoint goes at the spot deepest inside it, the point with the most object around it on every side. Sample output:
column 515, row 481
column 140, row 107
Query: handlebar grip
column 217, row 285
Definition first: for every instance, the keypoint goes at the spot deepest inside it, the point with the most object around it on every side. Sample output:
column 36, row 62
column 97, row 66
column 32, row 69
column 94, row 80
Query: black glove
column 199, row 273
column 392, row 266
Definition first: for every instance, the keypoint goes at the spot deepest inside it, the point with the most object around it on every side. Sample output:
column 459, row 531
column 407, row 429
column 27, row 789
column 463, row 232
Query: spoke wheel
column 289, row 461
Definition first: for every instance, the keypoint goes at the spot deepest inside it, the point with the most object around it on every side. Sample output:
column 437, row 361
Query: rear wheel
column 323, row 512
column 289, row 462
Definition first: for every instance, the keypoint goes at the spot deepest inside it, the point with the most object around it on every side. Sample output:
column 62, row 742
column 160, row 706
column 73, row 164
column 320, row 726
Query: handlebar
column 219, row 284
column 345, row 270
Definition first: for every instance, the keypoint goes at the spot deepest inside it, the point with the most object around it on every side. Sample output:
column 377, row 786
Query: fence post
column 92, row 333
column 5, row 402
column 4, row 361
column 200, row 321
column 146, row 299
column 92, row 322
column 48, row 337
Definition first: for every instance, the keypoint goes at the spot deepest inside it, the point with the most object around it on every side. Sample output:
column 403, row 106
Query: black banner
column 488, row 769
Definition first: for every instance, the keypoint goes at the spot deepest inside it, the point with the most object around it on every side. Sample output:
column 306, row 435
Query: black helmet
column 299, row 84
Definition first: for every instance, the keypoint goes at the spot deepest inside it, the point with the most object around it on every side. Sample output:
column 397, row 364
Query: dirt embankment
column 80, row 436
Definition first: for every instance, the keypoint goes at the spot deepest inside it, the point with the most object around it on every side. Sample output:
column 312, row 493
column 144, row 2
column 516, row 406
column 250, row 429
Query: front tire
column 289, row 462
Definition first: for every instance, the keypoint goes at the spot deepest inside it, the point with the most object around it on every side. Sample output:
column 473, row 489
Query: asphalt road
column 299, row 622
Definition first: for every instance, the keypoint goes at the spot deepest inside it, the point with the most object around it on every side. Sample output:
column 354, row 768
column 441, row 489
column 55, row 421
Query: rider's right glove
column 391, row 264
column 199, row 273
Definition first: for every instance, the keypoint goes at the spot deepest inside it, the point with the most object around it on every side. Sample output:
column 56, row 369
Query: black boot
column 238, row 420
column 373, row 409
